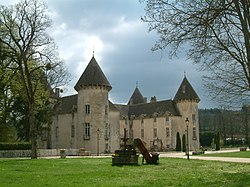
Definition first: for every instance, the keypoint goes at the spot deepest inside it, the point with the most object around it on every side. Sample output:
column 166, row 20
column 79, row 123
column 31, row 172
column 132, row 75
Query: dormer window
column 155, row 114
column 167, row 118
column 183, row 88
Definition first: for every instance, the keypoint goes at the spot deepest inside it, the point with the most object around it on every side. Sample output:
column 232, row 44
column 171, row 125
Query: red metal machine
column 151, row 158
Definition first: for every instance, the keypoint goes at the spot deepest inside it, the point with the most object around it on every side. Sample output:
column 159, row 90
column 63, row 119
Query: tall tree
column 217, row 141
column 217, row 34
column 33, row 55
column 5, row 101
column 222, row 123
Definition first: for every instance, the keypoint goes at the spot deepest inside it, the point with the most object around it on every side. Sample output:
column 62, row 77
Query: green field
column 239, row 154
column 100, row 172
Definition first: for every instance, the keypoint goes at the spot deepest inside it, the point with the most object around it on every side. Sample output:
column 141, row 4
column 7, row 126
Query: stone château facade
column 90, row 120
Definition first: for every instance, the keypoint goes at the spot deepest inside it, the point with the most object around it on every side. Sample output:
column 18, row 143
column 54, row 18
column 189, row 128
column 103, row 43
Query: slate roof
column 67, row 104
column 123, row 109
column 112, row 107
column 186, row 92
column 92, row 75
column 53, row 94
column 149, row 109
column 136, row 97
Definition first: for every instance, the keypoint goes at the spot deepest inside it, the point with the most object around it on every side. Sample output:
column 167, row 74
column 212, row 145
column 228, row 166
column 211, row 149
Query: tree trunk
column 33, row 132
column 217, row 144
column 231, row 130
column 246, row 126
column 223, row 130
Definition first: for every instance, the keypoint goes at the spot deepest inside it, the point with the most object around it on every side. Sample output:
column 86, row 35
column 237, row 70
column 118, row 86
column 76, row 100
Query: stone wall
column 41, row 153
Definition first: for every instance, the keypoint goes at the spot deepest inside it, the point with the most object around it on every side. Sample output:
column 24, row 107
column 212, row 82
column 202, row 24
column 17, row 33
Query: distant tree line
column 232, row 126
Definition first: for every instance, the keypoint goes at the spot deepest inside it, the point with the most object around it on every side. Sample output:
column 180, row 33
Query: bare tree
column 33, row 54
column 217, row 34
column 245, row 122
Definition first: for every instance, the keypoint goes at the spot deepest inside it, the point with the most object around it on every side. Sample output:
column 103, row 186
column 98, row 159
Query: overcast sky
column 122, row 47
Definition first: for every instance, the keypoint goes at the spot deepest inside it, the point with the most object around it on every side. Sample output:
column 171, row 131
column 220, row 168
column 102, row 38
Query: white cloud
column 8, row 2
column 76, row 47
column 125, row 27
column 122, row 48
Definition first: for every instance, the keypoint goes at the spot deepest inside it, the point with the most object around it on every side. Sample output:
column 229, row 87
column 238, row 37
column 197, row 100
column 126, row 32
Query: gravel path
column 224, row 159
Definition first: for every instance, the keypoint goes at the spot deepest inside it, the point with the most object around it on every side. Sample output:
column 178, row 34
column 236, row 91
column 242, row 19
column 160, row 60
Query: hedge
column 15, row 146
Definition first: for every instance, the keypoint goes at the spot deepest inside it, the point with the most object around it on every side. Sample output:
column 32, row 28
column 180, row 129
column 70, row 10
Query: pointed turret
column 136, row 97
column 93, row 107
column 92, row 76
column 186, row 100
column 186, row 92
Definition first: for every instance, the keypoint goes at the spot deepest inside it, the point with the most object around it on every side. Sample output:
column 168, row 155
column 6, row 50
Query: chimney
column 153, row 100
column 57, row 92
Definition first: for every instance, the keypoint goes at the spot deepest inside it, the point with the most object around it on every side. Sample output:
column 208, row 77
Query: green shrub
column 15, row 146
column 178, row 142
column 206, row 138
column 217, row 141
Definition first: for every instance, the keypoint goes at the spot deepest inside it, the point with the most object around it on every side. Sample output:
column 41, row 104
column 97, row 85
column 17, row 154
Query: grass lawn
column 239, row 154
column 100, row 172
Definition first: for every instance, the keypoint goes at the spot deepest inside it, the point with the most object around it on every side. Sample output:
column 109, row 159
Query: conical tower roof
column 92, row 75
column 136, row 97
column 186, row 92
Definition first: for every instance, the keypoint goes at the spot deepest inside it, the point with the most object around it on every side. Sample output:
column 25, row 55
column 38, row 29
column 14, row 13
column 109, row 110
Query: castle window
column 155, row 133
column 44, row 134
column 194, row 133
column 72, row 131
column 87, row 109
column 57, row 132
column 142, row 133
column 142, row 120
column 167, row 132
column 86, row 131
column 193, row 119
column 155, row 119
column 107, row 147
column 131, row 133
column 107, row 131
column 106, row 110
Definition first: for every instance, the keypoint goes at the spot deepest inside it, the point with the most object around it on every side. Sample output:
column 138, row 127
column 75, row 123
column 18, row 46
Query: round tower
column 187, row 101
column 92, row 109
